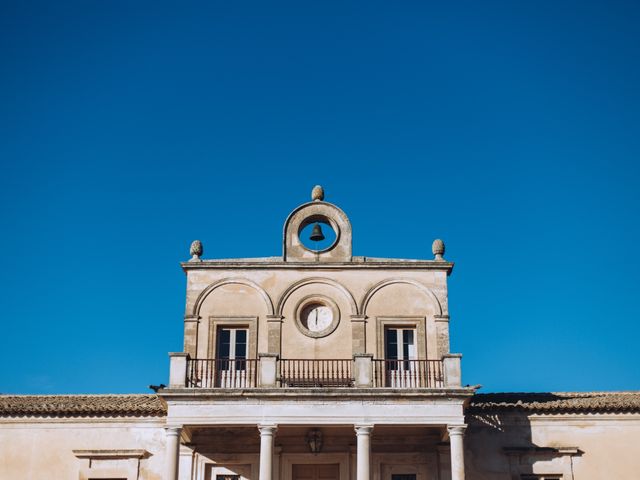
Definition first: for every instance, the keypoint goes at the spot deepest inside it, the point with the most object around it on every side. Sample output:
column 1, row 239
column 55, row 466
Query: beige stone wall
column 264, row 292
column 607, row 446
column 575, row 447
column 43, row 448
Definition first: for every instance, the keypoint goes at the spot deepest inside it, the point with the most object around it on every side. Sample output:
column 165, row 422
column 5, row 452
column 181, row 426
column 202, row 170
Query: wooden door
column 322, row 471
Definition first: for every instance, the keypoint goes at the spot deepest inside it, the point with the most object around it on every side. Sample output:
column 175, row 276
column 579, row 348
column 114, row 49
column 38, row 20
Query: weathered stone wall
column 501, row 446
column 364, row 296
column 570, row 446
column 43, row 448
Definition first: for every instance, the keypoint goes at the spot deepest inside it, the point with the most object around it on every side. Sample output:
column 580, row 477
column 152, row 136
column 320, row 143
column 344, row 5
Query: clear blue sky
column 511, row 130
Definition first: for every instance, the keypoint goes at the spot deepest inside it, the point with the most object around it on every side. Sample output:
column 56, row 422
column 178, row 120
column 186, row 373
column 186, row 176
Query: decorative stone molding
column 547, row 460
column 363, row 429
column 317, row 194
column 251, row 323
column 196, row 251
column 98, row 464
column 456, row 429
column 111, row 453
column 267, row 429
column 438, row 250
column 419, row 323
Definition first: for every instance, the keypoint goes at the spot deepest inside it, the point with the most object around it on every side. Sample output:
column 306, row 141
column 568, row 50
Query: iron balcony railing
column 315, row 373
column 222, row 373
column 245, row 373
column 408, row 374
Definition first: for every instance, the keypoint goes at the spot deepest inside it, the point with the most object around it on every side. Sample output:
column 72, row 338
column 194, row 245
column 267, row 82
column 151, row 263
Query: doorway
column 231, row 363
column 323, row 471
column 400, row 358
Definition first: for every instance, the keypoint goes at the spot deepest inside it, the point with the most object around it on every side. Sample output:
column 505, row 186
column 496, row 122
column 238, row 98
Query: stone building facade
column 319, row 365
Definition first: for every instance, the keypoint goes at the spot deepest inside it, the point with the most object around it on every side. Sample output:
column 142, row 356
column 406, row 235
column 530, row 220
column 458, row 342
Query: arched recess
column 326, row 281
column 377, row 287
column 226, row 281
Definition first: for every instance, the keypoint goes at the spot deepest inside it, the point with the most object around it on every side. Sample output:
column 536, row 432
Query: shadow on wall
column 499, row 443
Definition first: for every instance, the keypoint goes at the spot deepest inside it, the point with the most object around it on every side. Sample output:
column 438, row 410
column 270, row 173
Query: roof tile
column 81, row 405
column 557, row 402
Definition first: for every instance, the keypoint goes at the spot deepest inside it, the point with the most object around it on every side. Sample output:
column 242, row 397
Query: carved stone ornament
column 317, row 193
column 196, row 250
column 438, row 249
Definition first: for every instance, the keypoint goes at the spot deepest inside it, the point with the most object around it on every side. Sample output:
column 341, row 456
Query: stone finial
column 438, row 249
column 196, row 251
column 317, row 194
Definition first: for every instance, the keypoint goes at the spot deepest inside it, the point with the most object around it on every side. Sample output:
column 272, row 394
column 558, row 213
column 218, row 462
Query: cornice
column 359, row 263
column 316, row 394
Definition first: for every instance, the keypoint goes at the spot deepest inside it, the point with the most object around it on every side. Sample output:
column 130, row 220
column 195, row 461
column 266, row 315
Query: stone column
column 442, row 334
column 363, row 460
column 191, row 323
column 274, row 333
column 358, row 334
column 266, row 451
column 456, row 439
column 187, row 457
column 172, row 452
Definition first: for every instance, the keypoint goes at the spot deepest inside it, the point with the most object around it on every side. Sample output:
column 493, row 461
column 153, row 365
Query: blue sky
column 509, row 129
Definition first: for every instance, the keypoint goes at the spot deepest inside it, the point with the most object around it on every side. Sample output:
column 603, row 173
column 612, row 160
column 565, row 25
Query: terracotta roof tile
column 560, row 402
column 81, row 406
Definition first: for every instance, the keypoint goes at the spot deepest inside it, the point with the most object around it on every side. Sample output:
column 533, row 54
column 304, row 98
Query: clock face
column 317, row 317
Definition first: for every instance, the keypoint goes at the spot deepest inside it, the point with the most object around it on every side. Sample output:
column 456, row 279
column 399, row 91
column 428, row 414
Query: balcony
column 268, row 371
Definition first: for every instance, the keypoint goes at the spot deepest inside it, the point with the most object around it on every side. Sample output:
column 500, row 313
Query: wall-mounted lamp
column 314, row 440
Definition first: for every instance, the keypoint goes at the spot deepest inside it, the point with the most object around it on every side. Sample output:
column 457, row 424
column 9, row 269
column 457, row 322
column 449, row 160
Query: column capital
column 172, row 431
column 268, row 429
column 456, row 429
column 363, row 429
column 192, row 318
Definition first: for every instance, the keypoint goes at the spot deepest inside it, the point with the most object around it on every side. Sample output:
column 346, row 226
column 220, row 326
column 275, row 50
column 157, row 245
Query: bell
column 316, row 233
